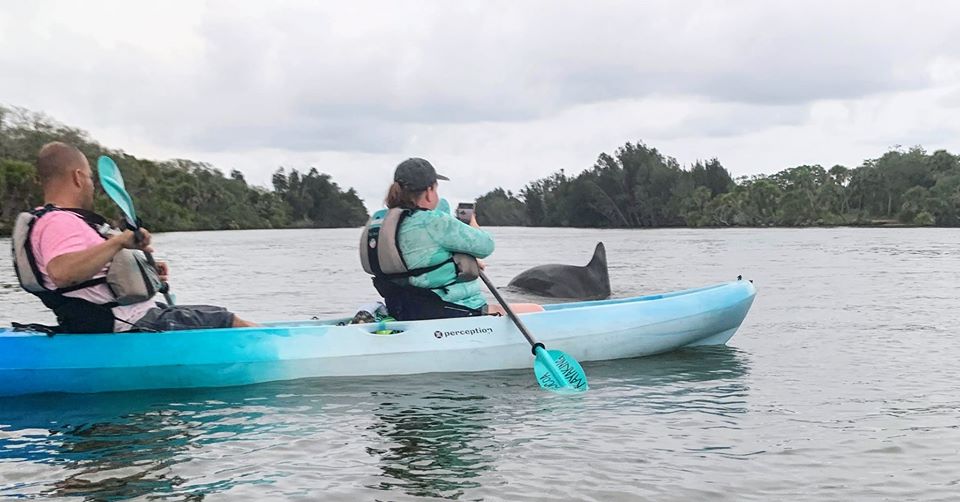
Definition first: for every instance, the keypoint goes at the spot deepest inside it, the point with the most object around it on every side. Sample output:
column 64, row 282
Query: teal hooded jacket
column 427, row 238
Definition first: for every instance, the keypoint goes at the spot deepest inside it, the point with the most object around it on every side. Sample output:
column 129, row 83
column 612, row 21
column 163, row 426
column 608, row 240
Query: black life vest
column 130, row 279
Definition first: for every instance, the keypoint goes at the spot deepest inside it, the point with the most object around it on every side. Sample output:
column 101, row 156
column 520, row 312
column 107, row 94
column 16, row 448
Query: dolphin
column 568, row 281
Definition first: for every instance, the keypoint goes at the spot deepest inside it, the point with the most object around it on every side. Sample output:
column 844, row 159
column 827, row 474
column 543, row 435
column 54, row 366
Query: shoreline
column 880, row 224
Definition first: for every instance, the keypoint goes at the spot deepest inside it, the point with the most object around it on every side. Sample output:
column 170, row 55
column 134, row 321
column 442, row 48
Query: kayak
column 32, row 362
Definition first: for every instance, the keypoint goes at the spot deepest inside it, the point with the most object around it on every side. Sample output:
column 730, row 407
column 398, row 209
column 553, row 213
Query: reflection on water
column 101, row 449
column 428, row 435
column 434, row 445
column 120, row 459
column 703, row 380
column 697, row 364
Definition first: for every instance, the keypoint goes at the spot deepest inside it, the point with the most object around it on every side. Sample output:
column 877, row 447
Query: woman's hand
column 163, row 270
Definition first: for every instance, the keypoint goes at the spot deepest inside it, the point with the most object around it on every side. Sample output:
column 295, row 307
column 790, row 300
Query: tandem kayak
column 589, row 331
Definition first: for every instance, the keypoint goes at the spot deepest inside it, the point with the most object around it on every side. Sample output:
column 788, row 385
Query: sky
column 493, row 93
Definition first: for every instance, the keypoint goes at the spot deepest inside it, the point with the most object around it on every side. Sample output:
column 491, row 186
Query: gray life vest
column 129, row 277
column 381, row 257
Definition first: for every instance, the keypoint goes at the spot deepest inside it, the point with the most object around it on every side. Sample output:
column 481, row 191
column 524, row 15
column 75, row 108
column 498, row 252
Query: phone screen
column 465, row 211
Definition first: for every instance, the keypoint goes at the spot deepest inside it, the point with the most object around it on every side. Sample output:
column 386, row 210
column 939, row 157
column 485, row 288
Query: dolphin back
column 591, row 282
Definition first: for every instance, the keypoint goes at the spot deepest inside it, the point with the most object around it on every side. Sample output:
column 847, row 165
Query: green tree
column 18, row 191
column 713, row 176
column 500, row 208
column 173, row 195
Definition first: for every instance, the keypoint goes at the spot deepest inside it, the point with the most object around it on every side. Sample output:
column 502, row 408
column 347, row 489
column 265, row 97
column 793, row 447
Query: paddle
column 555, row 370
column 112, row 182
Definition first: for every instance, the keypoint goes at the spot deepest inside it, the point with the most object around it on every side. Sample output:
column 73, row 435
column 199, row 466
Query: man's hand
column 481, row 264
column 473, row 220
column 128, row 240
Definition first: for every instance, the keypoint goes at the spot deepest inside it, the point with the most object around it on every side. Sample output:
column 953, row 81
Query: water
column 840, row 385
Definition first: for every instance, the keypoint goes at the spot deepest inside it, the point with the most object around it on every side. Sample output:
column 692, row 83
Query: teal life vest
column 380, row 253
column 381, row 257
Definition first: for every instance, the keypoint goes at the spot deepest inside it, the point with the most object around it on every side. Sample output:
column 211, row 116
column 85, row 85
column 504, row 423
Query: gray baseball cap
column 416, row 174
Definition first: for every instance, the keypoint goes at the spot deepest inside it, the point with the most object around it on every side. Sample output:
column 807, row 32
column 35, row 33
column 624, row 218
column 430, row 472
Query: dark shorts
column 180, row 317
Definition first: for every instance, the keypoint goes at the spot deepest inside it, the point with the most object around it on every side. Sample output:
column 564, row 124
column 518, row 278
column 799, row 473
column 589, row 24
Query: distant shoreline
column 879, row 224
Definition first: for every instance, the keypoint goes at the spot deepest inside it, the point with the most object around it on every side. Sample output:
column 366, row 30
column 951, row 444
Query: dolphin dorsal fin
column 599, row 257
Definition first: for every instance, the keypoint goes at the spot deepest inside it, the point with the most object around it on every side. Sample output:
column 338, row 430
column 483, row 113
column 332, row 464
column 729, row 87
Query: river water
column 841, row 385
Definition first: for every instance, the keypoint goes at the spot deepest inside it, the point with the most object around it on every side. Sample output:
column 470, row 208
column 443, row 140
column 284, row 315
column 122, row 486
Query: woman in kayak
column 424, row 261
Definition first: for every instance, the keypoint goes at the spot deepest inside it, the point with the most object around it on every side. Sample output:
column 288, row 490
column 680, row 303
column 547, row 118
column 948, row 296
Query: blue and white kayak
column 589, row 331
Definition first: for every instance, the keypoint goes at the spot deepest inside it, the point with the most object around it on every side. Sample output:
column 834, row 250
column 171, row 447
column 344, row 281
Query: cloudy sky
column 494, row 93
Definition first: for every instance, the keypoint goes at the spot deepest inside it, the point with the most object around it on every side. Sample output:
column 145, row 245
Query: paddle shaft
column 513, row 317
column 560, row 380
column 112, row 182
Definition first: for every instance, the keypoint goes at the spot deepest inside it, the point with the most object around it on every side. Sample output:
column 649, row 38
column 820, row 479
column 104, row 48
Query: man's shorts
column 180, row 317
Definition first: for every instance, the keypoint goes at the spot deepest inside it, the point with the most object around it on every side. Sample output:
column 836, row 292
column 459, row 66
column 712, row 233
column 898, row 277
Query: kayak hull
column 588, row 331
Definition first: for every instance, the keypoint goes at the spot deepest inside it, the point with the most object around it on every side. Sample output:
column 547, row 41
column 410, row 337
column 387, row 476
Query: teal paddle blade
column 558, row 371
column 112, row 182
column 108, row 170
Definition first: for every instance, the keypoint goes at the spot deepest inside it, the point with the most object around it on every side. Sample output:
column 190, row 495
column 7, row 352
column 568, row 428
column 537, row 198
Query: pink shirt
column 61, row 232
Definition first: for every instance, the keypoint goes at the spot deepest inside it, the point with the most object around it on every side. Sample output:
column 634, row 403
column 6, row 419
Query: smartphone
column 465, row 211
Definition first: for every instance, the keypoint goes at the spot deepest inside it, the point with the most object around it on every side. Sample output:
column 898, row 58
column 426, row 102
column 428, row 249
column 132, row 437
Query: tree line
column 638, row 186
column 176, row 194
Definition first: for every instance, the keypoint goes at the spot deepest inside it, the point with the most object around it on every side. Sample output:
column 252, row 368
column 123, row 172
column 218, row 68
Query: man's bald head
column 65, row 175
column 58, row 161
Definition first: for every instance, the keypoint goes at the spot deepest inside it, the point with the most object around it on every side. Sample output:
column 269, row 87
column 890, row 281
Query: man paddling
column 64, row 255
